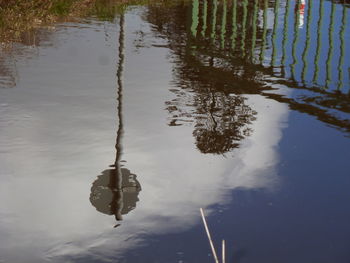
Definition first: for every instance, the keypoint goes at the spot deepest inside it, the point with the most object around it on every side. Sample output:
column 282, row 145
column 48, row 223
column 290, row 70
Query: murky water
column 114, row 134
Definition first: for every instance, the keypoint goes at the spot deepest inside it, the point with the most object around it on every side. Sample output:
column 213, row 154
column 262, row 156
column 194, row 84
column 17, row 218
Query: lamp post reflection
column 115, row 191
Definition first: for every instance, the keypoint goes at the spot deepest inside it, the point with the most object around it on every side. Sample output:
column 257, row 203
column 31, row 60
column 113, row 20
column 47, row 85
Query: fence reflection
column 293, row 43
column 237, row 47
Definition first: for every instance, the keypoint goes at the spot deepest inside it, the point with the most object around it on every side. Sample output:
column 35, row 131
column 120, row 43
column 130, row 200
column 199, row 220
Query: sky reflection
column 64, row 136
column 86, row 111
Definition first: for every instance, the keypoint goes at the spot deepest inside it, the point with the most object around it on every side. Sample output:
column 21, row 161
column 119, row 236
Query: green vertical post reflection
column 213, row 20
column 223, row 23
column 285, row 34
column 274, row 34
column 263, row 39
column 296, row 37
column 330, row 49
column 234, row 24
column 204, row 17
column 194, row 20
column 342, row 50
column 255, row 17
column 244, row 25
column 307, row 41
column 319, row 42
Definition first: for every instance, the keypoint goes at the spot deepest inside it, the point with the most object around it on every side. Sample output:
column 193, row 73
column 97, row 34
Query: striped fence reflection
column 300, row 40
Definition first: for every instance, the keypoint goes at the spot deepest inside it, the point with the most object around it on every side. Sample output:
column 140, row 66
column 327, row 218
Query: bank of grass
column 19, row 16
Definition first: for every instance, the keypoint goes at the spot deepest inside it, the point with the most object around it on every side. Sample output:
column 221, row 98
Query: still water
column 115, row 133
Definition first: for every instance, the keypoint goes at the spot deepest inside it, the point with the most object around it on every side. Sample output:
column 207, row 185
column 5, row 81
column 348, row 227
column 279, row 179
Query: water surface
column 115, row 133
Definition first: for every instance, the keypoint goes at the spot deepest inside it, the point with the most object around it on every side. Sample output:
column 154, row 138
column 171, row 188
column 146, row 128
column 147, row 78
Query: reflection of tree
column 115, row 191
column 221, row 120
column 226, row 123
column 210, row 57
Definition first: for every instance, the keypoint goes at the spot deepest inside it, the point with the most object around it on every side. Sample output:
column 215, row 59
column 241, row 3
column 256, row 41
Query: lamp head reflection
column 115, row 192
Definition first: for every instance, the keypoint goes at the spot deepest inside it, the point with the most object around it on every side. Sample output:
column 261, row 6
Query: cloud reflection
column 53, row 220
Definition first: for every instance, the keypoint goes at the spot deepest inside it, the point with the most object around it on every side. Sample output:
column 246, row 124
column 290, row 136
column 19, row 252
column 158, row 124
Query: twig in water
column 223, row 251
column 209, row 237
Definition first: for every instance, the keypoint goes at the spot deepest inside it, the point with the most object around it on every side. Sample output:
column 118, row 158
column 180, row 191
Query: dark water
column 114, row 134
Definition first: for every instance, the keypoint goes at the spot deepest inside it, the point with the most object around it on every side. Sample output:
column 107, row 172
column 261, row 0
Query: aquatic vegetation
column 17, row 17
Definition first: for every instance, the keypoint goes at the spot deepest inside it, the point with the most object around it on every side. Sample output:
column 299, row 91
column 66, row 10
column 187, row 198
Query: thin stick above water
column 209, row 237
column 223, row 251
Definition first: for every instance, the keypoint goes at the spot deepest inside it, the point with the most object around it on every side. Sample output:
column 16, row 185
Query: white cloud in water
column 64, row 143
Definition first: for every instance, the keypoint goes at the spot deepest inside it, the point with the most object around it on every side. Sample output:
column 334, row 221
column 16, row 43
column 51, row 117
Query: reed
column 223, row 256
column 223, row 243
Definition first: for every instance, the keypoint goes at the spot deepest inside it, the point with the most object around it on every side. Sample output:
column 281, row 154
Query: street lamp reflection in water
column 109, row 199
column 115, row 191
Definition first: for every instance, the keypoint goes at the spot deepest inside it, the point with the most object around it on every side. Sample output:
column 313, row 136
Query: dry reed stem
column 209, row 237
column 223, row 256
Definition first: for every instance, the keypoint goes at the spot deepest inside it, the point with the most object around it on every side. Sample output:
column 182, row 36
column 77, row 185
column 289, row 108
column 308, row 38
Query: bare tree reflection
column 220, row 120
column 226, row 123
